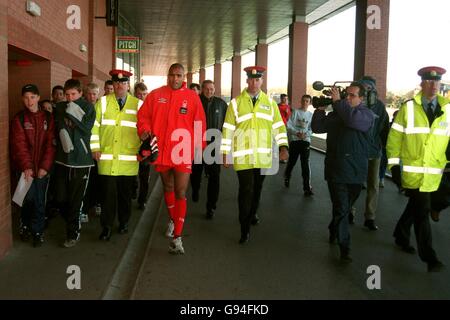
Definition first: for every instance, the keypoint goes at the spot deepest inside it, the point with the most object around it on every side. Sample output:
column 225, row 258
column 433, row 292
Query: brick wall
column 298, row 61
column 371, row 45
column 38, row 73
column 5, row 197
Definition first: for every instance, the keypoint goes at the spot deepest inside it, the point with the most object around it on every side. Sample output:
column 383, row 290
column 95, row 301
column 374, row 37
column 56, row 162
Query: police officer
column 251, row 120
column 215, row 110
column 418, row 139
column 115, row 144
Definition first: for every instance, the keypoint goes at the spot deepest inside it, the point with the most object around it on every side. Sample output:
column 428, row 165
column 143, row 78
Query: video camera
column 323, row 101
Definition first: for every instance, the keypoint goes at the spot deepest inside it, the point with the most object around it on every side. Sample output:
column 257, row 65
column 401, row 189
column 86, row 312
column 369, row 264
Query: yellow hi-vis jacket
column 417, row 146
column 248, row 131
column 114, row 134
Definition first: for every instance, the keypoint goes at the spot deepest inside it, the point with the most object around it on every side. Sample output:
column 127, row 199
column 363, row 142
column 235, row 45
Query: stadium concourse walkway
column 288, row 256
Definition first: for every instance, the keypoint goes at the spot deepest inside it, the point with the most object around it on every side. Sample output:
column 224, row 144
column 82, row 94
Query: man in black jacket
column 215, row 110
column 346, row 159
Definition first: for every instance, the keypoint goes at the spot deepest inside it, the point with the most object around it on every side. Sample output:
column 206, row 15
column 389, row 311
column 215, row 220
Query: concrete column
column 298, row 61
column 5, row 193
column 202, row 74
column 189, row 78
column 218, row 78
column 261, row 58
column 236, row 75
column 371, row 42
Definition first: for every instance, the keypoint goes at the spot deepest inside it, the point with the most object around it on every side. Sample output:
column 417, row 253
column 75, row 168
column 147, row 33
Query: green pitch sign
column 127, row 44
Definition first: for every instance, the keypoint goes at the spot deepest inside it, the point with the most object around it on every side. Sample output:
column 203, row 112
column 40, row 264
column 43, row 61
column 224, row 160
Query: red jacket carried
column 32, row 136
column 170, row 115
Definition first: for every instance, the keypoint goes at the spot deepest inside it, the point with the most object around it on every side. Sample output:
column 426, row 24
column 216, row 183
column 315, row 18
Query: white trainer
column 176, row 246
column 84, row 218
column 170, row 228
column 69, row 243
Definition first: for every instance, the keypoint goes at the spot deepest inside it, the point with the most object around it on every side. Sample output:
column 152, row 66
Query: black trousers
column 250, row 185
column 70, row 187
column 92, row 195
column 116, row 197
column 343, row 196
column 144, row 172
column 213, row 172
column 417, row 213
column 299, row 148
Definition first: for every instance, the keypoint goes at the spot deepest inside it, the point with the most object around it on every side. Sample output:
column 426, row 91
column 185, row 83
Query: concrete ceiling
column 197, row 33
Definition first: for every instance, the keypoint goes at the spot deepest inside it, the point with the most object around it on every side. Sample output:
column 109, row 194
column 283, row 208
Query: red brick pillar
column 371, row 41
column 298, row 54
column 218, row 78
column 261, row 58
column 189, row 78
column 202, row 75
column 236, row 75
column 5, row 194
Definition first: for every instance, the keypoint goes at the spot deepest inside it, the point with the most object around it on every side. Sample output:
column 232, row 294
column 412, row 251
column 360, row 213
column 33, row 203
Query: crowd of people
column 92, row 153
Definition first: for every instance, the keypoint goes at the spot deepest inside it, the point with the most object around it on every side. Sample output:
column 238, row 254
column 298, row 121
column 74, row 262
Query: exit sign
column 127, row 44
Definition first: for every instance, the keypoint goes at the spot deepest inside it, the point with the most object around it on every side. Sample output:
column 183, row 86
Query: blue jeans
column 33, row 208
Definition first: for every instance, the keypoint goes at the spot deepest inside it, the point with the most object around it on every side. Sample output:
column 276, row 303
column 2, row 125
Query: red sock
column 180, row 213
column 169, row 197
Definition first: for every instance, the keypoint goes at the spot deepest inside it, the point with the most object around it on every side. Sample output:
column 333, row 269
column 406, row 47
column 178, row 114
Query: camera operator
column 346, row 159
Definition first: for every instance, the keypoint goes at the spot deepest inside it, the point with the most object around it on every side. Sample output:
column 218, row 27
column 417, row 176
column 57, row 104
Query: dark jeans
column 343, row 196
column 213, row 172
column 383, row 163
column 299, row 148
column 71, row 185
column 416, row 213
column 33, row 208
column 144, row 172
column 250, row 185
column 116, row 197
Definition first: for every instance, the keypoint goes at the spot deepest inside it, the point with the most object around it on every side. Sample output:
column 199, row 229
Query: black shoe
column 405, row 247
column 308, row 193
column 106, row 234
column 38, row 240
column 245, row 237
column 195, row 196
column 286, row 182
column 370, row 224
column 435, row 266
column 123, row 228
column 209, row 214
column 351, row 219
column 24, row 233
column 332, row 238
column 141, row 206
column 345, row 256
column 255, row 220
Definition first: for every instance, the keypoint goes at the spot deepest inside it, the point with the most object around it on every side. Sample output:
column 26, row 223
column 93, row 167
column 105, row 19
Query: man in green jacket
column 251, row 122
column 418, row 140
column 74, row 119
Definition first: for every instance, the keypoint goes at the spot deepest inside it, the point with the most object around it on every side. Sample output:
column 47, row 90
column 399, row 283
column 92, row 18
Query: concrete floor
column 287, row 258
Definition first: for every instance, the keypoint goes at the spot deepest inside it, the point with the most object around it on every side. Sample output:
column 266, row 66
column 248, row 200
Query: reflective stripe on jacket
column 419, row 147
column 115, row 135
column 248, row 131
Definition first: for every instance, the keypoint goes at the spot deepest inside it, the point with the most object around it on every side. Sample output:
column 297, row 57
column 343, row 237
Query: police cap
column 254, row 71
column 431, row 73
column 120, row 75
